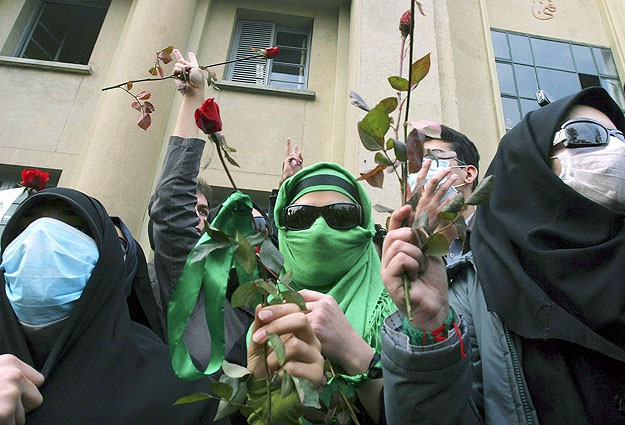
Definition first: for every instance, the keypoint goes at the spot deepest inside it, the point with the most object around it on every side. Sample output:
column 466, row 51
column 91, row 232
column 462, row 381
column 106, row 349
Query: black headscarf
column 551, row 262
column 103, row 368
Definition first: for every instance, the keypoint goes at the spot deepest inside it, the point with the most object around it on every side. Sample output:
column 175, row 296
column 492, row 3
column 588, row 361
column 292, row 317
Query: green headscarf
column 341, row 263
column 211, row 273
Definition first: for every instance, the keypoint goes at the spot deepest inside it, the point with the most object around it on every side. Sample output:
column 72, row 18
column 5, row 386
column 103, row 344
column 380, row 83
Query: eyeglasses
column 440, row 155
column 262, row 224
column 338, row 215
column 584, row 132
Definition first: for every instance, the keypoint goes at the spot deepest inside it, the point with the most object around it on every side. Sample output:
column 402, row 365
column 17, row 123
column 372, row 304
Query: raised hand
column 432, row 194
column 187, row 74
column 293, row 162
column 428, row 291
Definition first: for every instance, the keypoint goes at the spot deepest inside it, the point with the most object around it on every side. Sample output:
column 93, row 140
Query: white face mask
column 598, row 173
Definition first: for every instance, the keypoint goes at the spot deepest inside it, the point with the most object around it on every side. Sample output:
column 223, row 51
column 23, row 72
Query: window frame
column 512, row 63
column 33, row 21
column 269, row 69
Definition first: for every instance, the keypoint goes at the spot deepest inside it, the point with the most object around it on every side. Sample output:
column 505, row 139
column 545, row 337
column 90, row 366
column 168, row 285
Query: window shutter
column 255, row 34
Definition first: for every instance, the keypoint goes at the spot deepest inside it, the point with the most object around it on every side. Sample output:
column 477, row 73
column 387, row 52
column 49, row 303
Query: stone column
column 118, row 159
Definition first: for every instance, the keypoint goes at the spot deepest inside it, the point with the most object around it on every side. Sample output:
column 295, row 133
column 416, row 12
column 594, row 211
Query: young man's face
column 461, row 184
column 201, row 209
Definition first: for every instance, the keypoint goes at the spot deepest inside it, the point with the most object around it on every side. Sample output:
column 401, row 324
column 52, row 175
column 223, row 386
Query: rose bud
column 404, row 24
column 34, row 179
column 207, row 117
column 272, row 52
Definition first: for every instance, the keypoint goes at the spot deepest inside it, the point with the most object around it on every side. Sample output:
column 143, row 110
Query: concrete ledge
column 267, row 90
column 45, row 65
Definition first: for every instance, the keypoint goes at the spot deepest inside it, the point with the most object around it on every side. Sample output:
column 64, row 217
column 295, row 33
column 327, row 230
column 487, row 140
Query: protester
column 325, row 233
column 540, row 306
column 64, row 312
column 459, row 174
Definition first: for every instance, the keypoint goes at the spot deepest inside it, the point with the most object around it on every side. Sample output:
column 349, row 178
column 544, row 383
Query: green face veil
column 341, row 263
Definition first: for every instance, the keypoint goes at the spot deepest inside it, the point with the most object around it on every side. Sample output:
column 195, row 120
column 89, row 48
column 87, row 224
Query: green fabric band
column 416, row 337
column 211, row 274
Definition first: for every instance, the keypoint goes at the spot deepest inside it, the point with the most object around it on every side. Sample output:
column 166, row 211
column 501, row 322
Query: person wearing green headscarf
column 325, row 230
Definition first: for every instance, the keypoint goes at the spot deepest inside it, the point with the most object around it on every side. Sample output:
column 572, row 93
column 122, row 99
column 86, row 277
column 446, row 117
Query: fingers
column 294, row 322
column 403, row 257
column 31, row 374
column 309, row 295
column 399, row 216
column 288, row 146
column 192, row 59
column 395, row 240
column 425, row 167
column 311, row 371
column 295, row 350
column 436, row 179
column 178, row 56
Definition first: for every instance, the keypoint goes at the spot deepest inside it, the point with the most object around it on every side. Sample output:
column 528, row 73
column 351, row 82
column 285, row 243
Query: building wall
column 61, row 120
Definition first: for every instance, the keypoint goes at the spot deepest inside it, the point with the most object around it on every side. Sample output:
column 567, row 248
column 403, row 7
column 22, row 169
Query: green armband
column 420, row 338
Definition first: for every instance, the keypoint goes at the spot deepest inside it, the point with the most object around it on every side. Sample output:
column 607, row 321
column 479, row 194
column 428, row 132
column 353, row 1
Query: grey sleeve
column 427, row 385
column 172, row 212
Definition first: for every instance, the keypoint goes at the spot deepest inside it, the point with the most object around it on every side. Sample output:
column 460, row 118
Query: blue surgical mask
column 435, row 167
column 46, row 268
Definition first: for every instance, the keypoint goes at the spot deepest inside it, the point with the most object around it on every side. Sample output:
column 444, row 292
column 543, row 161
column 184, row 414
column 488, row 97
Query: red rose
column 207, row 117
column 34, row 179
column 404, row 24
column 272, row 52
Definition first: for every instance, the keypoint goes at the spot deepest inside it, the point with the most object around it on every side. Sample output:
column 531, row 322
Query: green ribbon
column 212, row 274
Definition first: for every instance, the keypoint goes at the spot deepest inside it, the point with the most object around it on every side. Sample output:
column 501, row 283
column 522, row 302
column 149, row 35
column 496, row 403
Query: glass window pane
column 510, row 112
column 287, row 73
column 292, row 56
column 557, row 84
column 520, row 46
column 552, row 54
column 616, row 91
column 500, row 45
column 287, row 85
column 506, row 79
column 291, row 39
column 605, row 61
column 528, row 105
column 583, row 59
column 526, row 80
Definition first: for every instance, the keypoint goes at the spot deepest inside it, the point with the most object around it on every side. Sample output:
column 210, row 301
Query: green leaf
column 400, row 150
column 245, row 254
column 287, row 384
column 207, row 163
column 234, row 370
column 278, row 347
column 455, row 206
column 294, row 298
column 256, row 238
column 482, row 191
column 461, row 225
column 414, row 150
column 390, row 143
column 381, row 159
column 308, row 394
column 398, row 83
column 270, row 256
column 200, row 252
column 268, row 287
column 420, row 69
column 245, row 295
column 422, row 221
column 287, row 278
column 239, row 389
column 374, row 177
column 225, row 145
column 369, row 142
column 221, row 389
column 389, row 104
column 376, row 123
column 448, row 215
column 230, row 159
column 216, row 234
column 382, row 209
column 192, row 398
column 436, row 246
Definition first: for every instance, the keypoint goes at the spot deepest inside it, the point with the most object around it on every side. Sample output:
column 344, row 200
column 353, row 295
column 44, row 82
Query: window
column 526, row 64
column 63, row 30
column 289, row 69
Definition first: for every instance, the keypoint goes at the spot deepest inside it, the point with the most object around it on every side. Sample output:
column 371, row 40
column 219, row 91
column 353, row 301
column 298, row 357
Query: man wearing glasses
column 451, row 166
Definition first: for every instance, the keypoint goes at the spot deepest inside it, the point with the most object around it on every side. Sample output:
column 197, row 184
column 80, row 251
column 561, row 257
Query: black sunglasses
column 584, row 132
column 261, row 223
column 338, row 215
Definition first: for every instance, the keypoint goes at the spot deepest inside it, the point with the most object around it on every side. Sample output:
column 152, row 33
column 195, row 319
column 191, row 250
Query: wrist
column 358, row 361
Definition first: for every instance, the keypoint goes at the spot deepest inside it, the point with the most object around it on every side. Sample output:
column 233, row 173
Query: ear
column 471, row 174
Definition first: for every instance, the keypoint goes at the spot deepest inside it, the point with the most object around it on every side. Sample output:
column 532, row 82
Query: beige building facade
column 487, row 57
